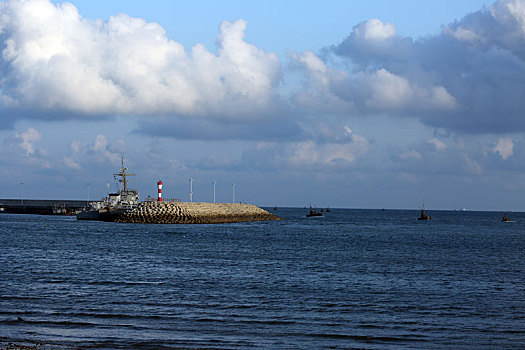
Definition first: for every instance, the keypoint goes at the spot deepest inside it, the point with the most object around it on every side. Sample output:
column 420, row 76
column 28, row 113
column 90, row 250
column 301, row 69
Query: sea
column 351, row 279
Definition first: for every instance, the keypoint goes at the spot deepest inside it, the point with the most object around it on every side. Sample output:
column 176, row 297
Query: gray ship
column 114, row 204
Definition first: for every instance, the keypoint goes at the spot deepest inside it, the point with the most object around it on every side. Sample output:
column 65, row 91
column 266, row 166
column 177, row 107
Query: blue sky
column 279, row 26
column 377, row 104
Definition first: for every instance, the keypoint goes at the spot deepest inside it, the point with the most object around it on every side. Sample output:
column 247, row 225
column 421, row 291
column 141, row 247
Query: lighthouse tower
column 159, row 186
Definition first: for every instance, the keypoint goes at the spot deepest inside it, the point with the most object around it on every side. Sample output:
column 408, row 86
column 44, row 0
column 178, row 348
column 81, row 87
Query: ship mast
column 123, row 174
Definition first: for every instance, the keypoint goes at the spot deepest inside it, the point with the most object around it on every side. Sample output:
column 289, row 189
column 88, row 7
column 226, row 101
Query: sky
column 351, row 104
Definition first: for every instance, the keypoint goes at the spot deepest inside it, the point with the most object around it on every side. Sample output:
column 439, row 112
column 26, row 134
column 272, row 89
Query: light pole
column 233, row 193
column 214, row 182
column 191, row 190
column 21, row 183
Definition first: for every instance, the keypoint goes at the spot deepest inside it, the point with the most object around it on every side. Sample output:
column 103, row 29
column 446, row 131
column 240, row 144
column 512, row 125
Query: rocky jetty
column 194, row 213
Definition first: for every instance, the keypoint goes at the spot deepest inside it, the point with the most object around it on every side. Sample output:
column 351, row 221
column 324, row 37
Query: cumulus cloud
column 56, row 64
column 22, row 148
column 27, row 140
column 468, row 79
column 505, row 147
column 472, row 166
column 55, row 60
column 411, row 155
column 332, row 149
column 438, row 144
column 100, row 150
column 310, row 154
column 374, row 30
column 337, row 92
column 317, row 93
column 500, row 25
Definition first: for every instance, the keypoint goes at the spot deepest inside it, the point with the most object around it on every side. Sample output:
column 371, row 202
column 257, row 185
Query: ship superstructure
column 115, row 203
column 125, row 197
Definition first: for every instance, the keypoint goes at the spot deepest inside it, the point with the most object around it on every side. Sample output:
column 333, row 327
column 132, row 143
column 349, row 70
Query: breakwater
column 194, row 213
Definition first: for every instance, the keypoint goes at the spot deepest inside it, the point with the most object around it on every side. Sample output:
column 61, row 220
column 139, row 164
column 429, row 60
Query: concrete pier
column 41, row 206
column 194, row 213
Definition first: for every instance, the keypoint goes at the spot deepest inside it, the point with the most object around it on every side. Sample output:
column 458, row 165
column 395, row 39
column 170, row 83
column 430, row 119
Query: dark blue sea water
column 366, row 279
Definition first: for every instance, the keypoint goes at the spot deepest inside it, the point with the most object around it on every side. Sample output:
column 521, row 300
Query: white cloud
column 59, row 61
column 460, row 79
column 374, row 29
column 438, row 144
column 71, row 163
column 329, row 147
column 461, row 34
column 317, row 92
column 104, row 151
column 22, row 149
column 336, row 91
column 327, row 155
column 472, row 166
column 28, row 139
column 411, row 155
column 388, row 91
column 510, row 11
column 100, row 150
column 505, row 147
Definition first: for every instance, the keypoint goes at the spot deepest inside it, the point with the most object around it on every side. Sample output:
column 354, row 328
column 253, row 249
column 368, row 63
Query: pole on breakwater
column 191, row 190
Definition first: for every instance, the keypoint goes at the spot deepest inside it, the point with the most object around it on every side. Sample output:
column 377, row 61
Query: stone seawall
column 194, row 213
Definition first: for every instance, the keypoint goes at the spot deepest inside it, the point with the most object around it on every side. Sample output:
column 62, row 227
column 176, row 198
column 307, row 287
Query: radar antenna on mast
column 123, row 174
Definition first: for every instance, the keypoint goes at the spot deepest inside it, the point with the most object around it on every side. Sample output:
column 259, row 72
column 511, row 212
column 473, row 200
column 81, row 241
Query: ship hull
column 101, row 215
column 88, row 215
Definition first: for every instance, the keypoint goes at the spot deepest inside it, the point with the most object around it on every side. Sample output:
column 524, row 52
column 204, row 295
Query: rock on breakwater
column 194, row 213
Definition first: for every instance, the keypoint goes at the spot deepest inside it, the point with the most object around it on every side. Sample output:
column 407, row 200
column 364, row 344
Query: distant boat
column 314, row 212
column 274, row 208
column 505, row 218
column 423, row 215
column 327, row 210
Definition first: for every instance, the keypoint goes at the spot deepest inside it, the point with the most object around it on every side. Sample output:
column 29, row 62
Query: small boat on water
column 505, row 218
column 314, row 212
column 423, row 215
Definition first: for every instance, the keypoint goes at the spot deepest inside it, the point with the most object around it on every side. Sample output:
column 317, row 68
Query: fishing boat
column 505, row 218
column 313, row 212
column 423, row 215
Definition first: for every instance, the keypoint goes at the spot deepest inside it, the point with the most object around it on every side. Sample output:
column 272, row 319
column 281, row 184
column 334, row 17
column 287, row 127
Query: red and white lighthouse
column 159, row 186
